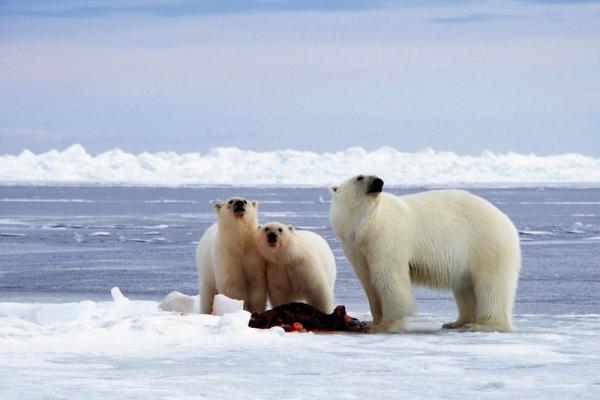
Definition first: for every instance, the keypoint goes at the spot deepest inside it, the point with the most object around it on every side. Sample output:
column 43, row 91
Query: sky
column 189, row 76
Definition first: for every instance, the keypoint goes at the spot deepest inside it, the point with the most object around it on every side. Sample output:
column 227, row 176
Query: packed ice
column 294, row 167
column 127, row 347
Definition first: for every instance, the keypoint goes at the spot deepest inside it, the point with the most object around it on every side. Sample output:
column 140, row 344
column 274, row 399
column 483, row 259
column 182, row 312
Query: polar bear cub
column 300, row 266
column 443, row 238
column 227, row 258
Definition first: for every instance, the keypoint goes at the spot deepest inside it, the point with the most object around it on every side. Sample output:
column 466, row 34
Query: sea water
column 77, row 242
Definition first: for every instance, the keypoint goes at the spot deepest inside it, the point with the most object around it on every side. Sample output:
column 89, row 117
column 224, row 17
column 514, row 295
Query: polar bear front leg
column 257, row 293
column 207, row 295
column 393, row 285
column 278, row 297
column 361, row 269
column 374, row 301
column 232, row 283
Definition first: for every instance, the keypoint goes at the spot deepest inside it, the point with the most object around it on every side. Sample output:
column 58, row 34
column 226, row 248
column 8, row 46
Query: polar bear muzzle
column 272, row 238
column 375, row 185
column 239, row 207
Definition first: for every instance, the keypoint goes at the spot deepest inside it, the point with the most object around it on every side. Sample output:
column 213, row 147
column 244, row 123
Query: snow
column 292, row 167
column 179, row 302
column 224, row 305
column 130, row 348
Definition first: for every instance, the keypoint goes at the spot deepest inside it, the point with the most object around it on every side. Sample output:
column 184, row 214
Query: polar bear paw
column 389, row 326
column 454, row 325
column 478, row 327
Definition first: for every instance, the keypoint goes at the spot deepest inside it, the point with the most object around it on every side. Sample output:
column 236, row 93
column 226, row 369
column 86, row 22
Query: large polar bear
column 227, row 259
column 300, row 266
column 443, row 238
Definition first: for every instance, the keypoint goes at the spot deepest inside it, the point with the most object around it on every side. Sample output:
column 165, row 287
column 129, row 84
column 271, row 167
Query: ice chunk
column 534, row 233
column 223, row 305
column 178, row 302
column 100, row 233
column 118, row 296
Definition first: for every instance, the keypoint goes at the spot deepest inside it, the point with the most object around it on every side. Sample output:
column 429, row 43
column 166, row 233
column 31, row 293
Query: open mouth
column 239, row 214
column 272, row 244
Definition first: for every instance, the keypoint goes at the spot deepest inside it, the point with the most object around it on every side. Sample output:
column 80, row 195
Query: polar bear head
column 236, row 211
column 357, row 191
column 274, row 239
column 357, row 197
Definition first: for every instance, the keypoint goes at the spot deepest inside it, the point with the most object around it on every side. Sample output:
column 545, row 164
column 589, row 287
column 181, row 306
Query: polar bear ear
column 334, row 189
column 291, row 228
column 217, row 206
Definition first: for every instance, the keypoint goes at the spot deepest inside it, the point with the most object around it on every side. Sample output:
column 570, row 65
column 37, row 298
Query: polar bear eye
column 266, row 229
column 360, row 178
column 245, row 202
column 280, row 230
column 230, row 201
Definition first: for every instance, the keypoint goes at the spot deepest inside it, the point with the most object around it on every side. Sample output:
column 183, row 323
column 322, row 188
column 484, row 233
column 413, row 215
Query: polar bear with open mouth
column 227, row 258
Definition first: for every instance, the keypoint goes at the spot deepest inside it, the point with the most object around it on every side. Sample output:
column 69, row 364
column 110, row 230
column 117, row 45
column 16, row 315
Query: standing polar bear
column 227, row 259
column 443, row 239
column 300, row 266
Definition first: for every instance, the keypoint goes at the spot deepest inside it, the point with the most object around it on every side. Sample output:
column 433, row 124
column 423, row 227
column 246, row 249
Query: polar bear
column 300, row 266
column 227, row 258
column 443, row 238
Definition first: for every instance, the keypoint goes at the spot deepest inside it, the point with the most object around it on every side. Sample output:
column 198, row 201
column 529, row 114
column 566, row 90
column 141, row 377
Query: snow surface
column 125, row 349
column 291, row 167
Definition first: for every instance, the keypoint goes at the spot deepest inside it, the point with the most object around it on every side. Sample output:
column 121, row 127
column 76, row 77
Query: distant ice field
column 293, row 167
column 63, row 248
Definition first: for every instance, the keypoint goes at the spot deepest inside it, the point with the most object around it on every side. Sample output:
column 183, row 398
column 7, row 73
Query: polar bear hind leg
column 465, row 300
column 494, row 299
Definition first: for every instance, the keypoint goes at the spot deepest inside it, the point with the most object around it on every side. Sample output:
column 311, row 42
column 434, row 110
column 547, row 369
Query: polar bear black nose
column 238, row 206
column 272, row 237
column 376, row 186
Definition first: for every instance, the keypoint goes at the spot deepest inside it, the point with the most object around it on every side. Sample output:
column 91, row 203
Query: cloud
column 565, row 2
column 182, row 8
column 33, row 134
column 431, row 69
column 474, row 18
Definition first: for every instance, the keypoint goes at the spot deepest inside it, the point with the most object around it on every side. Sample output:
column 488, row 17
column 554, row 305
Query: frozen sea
column 62, row 335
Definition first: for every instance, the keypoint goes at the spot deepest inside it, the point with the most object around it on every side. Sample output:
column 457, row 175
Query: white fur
column 228, row 261
column 301, row 266
column 445, row 239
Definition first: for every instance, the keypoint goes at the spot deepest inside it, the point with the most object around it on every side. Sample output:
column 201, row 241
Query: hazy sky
column 315, row 75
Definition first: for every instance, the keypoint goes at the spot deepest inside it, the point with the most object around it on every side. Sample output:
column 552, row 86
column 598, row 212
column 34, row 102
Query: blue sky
column 186, row 76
